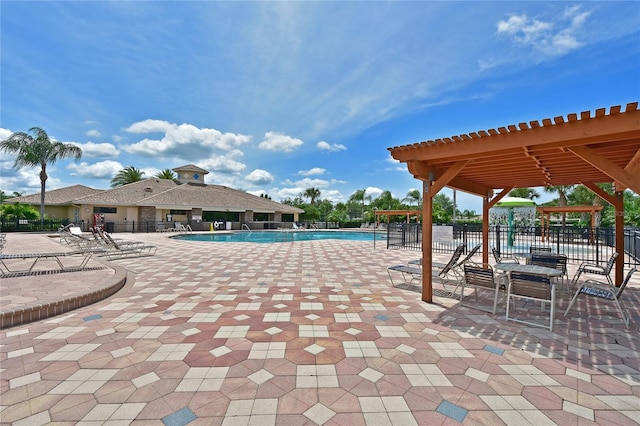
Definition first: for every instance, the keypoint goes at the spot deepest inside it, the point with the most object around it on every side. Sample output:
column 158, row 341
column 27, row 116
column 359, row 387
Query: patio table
column 528, row 269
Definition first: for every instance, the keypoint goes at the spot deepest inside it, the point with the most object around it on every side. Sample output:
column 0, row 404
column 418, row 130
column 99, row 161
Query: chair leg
column 573, row 300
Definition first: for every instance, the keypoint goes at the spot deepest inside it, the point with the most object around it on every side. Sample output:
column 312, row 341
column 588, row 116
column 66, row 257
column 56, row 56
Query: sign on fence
column 442, row 234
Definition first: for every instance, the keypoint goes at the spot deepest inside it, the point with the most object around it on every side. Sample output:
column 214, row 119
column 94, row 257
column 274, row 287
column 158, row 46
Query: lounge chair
column 606, row 291
column 36, row 258
column 445, row 273
column 502, row 259
column 118, row 249
column 531, row 287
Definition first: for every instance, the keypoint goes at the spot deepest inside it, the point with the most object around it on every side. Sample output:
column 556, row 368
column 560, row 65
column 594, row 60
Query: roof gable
column 61, row 196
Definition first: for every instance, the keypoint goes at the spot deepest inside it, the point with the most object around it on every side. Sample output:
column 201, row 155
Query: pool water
column 281, row 237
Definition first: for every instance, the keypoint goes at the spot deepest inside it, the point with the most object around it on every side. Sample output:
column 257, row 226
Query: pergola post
column 427, row 245
column 618, row 205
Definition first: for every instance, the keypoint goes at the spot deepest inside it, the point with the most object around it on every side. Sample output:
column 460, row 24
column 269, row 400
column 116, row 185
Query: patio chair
column 606, row 291
column 539, row 249
column 481, row 276
column 551, row 260
column 502, row 259
column 531, row 287
column 593, row 268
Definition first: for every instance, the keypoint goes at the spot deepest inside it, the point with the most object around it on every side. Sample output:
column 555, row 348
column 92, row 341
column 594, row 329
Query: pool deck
column 304, row 333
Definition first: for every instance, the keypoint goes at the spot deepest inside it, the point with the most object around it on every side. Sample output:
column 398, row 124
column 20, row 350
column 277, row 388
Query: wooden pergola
column 583, row 149
column 389, row 213
column 546, row 212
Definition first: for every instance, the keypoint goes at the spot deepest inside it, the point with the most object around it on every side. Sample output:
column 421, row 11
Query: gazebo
column 583, row 149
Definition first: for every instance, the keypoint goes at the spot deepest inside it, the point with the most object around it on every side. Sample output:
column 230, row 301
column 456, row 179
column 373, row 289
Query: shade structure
column 515, row 202
column 586, row 148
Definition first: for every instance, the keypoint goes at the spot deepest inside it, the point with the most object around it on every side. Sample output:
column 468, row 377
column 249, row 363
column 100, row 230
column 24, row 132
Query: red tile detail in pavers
column 166, row 386
column 363, row 388
column 431, row 418
column 342, row 419
column 561, row 417
column 330, row 356
column 16, row 412
column 116, row 392
column 611, row 385
column 279, row 367
column 611, row 417
column 155, row 409
column 480, row 388
column 297, row 401
column 72, row 408
column 239, row 389
column 391, row 388
column 300, row 357
column 276, row 387
column 483, row 417
column 293, row 419
column 209, row 404
column 505, row 385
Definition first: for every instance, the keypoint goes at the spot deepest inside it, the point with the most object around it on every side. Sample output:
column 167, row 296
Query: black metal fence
column 579, row 244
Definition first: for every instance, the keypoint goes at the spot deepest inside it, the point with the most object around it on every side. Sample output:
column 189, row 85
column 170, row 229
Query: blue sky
column 277, row 97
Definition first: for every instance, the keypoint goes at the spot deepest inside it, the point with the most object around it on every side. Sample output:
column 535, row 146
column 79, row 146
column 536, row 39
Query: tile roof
column 62, row 196
column 129, row 194
column 214, row 197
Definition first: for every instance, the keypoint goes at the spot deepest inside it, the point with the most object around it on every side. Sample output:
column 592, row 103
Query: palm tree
column 413, row 196
column 35, row 148
column 360, row 196
column 563, row 191
column 312, row 194
column 166, row 174
column 127, row 175
column 529, row 193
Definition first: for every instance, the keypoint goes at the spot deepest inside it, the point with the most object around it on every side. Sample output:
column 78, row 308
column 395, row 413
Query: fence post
column 498, row 246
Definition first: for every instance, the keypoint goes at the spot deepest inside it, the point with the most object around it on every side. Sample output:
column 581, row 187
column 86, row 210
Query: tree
column 413, row 196
column 166, row 174
column 35, row 148
column 524, row 193
column 562, row 191
column 442, row 207
column 312, row 194
column 359, row 197
column 127, row 175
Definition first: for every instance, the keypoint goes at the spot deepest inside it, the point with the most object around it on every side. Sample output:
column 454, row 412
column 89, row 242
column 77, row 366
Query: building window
column 105, row 210
column 178, row 212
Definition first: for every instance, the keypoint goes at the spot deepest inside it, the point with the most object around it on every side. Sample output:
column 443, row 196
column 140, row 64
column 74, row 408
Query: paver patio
column 300, row 334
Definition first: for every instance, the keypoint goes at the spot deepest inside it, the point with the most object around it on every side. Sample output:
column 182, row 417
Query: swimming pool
column 281, row 237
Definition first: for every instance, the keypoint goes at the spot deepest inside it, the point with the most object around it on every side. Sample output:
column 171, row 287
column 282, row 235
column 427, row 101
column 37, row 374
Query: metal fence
column 579, row 244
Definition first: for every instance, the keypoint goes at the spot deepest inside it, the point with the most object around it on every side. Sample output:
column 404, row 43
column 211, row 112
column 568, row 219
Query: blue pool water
column 281, row 237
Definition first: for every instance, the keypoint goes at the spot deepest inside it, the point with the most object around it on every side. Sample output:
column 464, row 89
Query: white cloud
column 259, row 177
column 5, row 133
column 553, row 38
column 93, row 134
column 313, row 171
column 274, row 141
column 373, row 192
column 100, row 150
column 184, row 141
column 102, row 170
column 325, row 146
column 222, row 164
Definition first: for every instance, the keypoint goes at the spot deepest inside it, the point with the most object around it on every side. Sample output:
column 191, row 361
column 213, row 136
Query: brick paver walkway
column 305, row 333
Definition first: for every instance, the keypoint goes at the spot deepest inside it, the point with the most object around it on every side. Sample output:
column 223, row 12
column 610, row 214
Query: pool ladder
column 245, row 226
